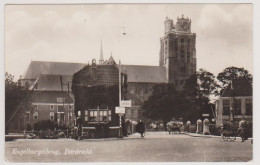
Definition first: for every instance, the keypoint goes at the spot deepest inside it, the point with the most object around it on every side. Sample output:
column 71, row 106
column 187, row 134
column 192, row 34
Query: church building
column 177, row 61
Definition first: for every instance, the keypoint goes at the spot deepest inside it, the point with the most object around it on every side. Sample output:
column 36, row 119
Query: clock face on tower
column 184, row 26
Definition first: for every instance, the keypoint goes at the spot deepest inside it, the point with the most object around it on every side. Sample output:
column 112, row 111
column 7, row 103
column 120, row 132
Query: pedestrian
column 79, row 125
column 124, row 128
column 140, row 128
column 242, row 131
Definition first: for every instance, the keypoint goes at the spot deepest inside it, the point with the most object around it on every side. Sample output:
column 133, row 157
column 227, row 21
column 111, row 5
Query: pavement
column 154, row 147
column 200, row 135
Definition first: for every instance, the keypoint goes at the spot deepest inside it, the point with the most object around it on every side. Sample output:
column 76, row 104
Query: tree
column 44, row 125
column 201, row 84
column 165, row 103
column 231, row 73
column 14, row 96
column 199, row 88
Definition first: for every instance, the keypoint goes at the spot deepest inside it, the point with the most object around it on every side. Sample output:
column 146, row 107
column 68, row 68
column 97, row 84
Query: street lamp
column 120, row 115
column 120, row 86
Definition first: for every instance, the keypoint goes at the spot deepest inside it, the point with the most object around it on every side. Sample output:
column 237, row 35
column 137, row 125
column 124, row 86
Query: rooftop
column 50, row 97
column 53, row 82
column 49, row 73
column 238, row 87
column 145, row 74
column 51, row 68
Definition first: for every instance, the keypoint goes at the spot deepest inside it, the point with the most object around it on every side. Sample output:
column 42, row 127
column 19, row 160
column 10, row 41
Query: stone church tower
column 178, row 51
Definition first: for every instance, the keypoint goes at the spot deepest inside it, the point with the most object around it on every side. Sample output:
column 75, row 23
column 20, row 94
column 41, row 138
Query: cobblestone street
column 155, row 147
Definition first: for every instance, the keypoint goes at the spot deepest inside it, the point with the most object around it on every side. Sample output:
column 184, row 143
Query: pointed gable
column 110, row 61
column 91, row 75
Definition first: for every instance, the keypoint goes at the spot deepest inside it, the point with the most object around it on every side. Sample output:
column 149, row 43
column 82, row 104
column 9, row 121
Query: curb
column 207, row 136
column 69, row 139
column 102, row 139
column 200, row 135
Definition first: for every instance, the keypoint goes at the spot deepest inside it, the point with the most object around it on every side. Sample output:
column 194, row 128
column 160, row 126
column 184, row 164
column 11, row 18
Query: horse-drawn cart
column 173, row 127
column 228, row 135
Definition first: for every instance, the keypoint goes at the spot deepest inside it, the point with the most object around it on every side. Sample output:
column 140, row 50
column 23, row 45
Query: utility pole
column 120, row 115
column 120, row 86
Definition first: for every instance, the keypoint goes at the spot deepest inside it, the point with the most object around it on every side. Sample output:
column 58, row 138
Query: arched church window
column 188, row 56
column 182, row 42
column 165, row 47
column 182, row 55
column 176, row 45
column 188, row 43
column 182, row 69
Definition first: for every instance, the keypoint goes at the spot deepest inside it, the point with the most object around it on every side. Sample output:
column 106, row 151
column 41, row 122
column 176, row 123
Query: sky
column 73, row 33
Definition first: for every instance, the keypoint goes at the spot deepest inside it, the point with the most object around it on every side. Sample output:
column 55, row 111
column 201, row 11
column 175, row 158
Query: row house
column 235, row 103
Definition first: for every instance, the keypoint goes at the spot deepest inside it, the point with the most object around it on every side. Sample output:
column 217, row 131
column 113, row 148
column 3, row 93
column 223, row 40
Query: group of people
column 140, row 128
column 243, row 130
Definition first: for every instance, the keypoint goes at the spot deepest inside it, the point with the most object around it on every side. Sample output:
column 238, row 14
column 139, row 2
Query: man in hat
column 140, row 128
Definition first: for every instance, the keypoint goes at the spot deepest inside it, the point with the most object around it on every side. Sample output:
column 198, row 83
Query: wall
column 138, row 93
column 44, row 110
column 141, row 92
column 133, row 113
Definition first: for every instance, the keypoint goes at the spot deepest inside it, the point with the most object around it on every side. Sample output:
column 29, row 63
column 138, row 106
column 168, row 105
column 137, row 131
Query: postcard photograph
column 128, row 82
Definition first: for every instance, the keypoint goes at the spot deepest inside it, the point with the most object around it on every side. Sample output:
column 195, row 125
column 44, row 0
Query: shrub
column 44, row 125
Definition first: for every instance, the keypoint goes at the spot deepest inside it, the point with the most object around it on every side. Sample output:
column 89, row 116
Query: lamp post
column 120, row 115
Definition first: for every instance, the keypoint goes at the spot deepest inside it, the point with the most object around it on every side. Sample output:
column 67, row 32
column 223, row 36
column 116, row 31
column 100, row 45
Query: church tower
column 178, row 51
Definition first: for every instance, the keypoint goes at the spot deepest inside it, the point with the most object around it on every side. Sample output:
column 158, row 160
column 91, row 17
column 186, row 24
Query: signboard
column 125, row 103
column 238, row 116
column 205, row 115
column 225, row 117
column 242, row 117
column 248, row 117
column 120, row 110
